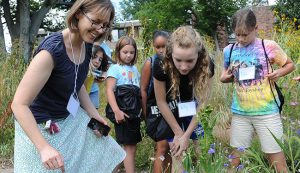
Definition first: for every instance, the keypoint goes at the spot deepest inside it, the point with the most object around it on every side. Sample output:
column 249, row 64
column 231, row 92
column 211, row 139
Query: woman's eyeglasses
column 95, row 24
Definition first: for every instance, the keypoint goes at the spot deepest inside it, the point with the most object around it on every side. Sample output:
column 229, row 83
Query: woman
column 51, row 130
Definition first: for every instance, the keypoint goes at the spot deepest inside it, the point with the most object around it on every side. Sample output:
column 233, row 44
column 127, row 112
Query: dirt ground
column 6, row 166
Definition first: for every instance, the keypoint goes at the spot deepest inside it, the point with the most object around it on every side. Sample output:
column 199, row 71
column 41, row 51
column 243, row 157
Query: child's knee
column 162, row 147
column 130, row 148
column 235, row 156
column 276, row 157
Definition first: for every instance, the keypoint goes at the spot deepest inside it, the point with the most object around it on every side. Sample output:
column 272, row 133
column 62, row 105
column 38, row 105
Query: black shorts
column 128, row 133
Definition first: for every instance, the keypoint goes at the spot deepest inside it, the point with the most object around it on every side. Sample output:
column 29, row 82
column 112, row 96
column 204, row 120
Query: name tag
column 47, row 125
column 73, row 105
column 247, row 73
column 187, row 109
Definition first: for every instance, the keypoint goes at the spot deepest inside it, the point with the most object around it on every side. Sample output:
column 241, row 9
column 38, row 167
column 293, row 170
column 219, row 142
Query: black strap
column 231, row 49
column 151, row 59
column 268, row 60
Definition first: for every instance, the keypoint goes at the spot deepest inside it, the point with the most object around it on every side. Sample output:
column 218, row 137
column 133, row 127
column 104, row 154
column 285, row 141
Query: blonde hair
column 122, row 42
column 187, row 37
column 243, row 21
column 104, row 8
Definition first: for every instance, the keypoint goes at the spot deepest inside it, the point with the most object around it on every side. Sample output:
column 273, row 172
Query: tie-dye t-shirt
column 124, row 74
column 254, row 96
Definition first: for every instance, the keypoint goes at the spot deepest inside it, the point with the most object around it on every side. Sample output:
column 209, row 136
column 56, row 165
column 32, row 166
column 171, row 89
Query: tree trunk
column 36, row 20
column 12, row 28
column 216, row 41
column 24, row 29
column 2, row 39
column 222, row 36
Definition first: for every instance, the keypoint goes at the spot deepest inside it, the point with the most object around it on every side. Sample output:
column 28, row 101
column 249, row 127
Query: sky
column 118, row 13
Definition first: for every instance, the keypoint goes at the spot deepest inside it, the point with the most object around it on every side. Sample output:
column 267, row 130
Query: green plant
column 11, row 71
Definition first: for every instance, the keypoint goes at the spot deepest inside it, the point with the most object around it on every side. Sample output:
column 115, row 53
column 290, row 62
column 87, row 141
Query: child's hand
column 120, row 116
column 227, row 75
column 297, row 78
column 175, row 144
column 183, row 144
column 92, row 66
column 273, row 76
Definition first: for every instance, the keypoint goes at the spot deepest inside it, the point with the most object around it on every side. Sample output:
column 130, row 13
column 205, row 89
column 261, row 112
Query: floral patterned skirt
column 82, row 151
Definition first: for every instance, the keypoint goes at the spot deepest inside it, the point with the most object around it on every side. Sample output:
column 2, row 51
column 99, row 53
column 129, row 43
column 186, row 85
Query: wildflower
column 212, row 145
column 230, row 156
column 152, row 158
column 294, row 103
column 162, row 158
column 226, row 164
column 295, row 20
column 241, row 166
column 285, row 85
column 211, row 151
column 241, row 149
column 283, row 117
column 298, row 132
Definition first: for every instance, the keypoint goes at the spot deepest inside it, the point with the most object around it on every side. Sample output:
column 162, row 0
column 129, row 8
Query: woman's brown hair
column 104, row 8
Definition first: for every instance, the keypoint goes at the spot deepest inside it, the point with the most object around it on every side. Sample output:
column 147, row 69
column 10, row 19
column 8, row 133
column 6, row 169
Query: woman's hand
column 101, row 120
column 52, row 159
column 120, row 116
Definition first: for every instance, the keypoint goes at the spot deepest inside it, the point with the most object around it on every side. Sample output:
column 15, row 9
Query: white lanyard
column 76, row 64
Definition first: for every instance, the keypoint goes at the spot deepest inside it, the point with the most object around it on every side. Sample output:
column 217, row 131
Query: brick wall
column 265, row 20
column 222, row 37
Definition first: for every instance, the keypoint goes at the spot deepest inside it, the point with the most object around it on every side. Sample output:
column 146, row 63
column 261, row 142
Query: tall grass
column 11, row 71
column 215, row 150
column 217, row 159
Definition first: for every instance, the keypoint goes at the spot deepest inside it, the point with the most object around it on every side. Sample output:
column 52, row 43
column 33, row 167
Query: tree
column 289, row 8
column 260, row 2
column 204, row 15
column 24, row 19
column 216, row 13
column 287, row 11
column 131, row 7
column 163, row 14
column 2, row 39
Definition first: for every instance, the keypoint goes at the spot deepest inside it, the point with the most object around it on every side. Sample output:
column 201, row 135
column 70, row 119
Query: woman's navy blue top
column 51, row 102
